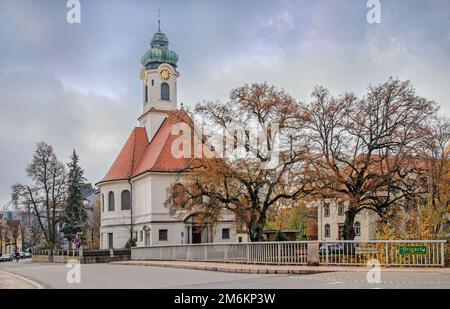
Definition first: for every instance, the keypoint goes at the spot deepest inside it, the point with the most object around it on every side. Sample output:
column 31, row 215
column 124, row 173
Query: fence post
column 387, row 253
column 225, row 252
column 313, row 254
column 205, row 252
column 326, row 253
column 442, row 254
column 279, row 253
column 247, row 253
column 188, row 253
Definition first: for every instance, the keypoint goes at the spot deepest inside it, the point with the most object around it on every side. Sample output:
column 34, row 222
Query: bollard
column 313, row 256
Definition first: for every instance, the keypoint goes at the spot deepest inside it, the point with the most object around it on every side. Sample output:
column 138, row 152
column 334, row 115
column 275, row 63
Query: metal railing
column 386, row 252
column 264, row 252
column 421, row 253
column 81, row 252
column 58, row 252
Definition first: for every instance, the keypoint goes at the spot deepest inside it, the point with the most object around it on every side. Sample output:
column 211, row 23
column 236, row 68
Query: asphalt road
column 124, row 276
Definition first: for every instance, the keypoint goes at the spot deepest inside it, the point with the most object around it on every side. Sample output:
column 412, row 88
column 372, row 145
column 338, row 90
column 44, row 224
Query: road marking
column 335, row 282
column 35, row 284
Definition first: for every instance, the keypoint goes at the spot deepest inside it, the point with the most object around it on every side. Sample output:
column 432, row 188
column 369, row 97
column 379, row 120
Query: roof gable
column 129, row 156
column 138, row 155
column 158, row 155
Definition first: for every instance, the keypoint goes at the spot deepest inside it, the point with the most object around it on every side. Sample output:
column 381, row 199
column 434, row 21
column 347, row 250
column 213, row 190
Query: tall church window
column 165, row 92
column 145, row 93
column 111, row 201
column 126, row 200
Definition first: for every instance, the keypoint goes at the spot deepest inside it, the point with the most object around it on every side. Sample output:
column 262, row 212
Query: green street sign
column 422, row 250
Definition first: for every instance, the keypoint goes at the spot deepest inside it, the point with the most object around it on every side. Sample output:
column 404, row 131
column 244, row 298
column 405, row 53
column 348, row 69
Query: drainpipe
column 131, row 207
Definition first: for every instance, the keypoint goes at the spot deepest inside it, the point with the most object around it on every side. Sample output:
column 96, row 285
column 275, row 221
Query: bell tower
column 159, row 77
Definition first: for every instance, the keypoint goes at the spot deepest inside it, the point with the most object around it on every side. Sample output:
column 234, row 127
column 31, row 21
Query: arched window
column 103, row 202
column 357, row 229
column 179, row 195
column 126, row 200
column 145, row 93
column 326, row 210
column 327, row 231
column 111, row 201
column 165, row 92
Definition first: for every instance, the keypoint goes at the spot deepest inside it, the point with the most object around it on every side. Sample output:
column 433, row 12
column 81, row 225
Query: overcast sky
column 77, row 86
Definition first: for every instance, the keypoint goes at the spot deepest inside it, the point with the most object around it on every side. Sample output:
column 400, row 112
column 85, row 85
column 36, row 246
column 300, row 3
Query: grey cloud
column 77, row 86
column 35, row 106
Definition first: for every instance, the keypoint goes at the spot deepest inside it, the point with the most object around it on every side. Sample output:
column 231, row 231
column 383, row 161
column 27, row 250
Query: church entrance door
column 196, row 235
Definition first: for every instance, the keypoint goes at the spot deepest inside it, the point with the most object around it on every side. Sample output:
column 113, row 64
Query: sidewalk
column 273, row 269
column 12, row 281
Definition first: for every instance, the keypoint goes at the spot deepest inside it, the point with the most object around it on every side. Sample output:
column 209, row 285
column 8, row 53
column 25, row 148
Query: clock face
column 164, row 74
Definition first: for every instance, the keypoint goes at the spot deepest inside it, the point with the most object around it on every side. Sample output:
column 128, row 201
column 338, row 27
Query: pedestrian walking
column 77, row 241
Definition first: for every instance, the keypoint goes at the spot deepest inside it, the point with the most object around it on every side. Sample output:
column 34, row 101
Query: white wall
column 149, row 194
column 121, row 234
column 154, row 91
column 142, row 193
column 366, row 218
column 118, row 216
column 152, row 122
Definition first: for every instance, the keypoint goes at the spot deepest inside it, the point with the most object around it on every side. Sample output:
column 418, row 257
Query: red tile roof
column 139, row 156
column 129, row 156
column 153, row 110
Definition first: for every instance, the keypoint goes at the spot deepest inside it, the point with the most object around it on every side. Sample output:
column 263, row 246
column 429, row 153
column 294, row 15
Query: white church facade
column 134, row 190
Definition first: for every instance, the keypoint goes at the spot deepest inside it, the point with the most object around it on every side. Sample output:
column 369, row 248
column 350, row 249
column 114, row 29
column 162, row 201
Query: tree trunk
column 349, row 230
column 255, row 231
column 256, row 227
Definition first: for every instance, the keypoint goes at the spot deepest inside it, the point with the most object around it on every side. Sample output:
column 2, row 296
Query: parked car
column 27, row 255
column 6, row 257
column 22, row 254
column 332, row 249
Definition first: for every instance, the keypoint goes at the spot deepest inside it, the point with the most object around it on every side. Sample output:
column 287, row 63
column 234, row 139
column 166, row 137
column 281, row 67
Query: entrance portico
column 197, row 229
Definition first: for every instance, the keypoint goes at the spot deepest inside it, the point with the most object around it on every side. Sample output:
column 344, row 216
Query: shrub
column 130, row 243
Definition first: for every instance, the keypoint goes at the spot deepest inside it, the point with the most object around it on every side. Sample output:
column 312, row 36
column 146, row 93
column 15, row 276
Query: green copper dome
column 159, row 52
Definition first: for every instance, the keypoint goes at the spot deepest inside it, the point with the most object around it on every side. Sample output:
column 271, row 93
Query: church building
column 134, row 190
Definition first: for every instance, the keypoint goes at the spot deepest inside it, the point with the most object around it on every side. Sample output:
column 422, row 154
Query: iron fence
column 420, row 253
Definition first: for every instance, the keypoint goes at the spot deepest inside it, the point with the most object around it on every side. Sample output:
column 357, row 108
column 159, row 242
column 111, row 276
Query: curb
column 29, row 281
column 240, row 269
column 262, row 269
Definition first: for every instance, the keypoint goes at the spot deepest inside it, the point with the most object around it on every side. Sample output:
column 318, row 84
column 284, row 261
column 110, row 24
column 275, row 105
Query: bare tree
column 47, row 192
column 246, row 185
column 436, row 155
column 365, row 150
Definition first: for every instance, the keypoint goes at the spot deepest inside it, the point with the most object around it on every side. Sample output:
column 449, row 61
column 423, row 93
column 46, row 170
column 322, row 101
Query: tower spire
column 159, row 20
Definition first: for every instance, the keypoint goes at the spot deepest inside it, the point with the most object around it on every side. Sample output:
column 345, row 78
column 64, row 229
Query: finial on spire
column 159, row 20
